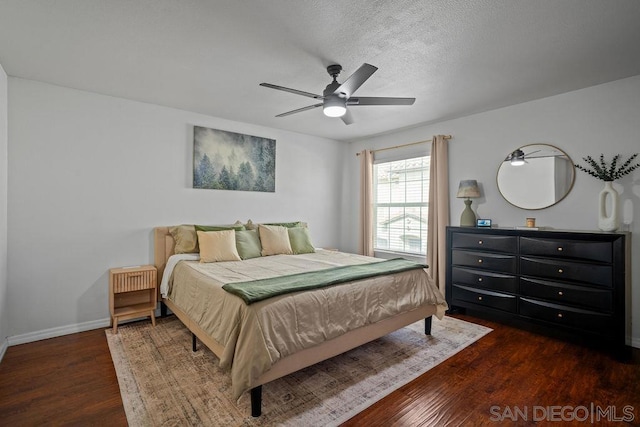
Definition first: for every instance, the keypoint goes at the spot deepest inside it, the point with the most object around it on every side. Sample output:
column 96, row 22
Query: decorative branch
column 611, row 172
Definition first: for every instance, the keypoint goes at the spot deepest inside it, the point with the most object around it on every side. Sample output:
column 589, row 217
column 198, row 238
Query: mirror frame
column 573, row 177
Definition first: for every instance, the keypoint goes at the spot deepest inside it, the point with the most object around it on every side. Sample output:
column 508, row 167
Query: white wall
column 600, row 119
column 4, row 318
column 91, row 175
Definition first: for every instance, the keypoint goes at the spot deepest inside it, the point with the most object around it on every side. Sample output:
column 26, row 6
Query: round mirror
column 535, row 176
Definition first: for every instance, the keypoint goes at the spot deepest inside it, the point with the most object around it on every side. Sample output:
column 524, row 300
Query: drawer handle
column 479, row 242
column 560, row 293
column 479, row 279
column 560, row 270
column 480, row 261
column 560, row 249
column 134, row 274
column 560, row 315
column 479, row 298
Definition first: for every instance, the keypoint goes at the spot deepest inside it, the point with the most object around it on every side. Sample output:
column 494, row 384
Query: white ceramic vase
column 608, row 221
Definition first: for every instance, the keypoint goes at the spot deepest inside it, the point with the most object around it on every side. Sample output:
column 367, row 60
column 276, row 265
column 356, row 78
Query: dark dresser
column 566, row 283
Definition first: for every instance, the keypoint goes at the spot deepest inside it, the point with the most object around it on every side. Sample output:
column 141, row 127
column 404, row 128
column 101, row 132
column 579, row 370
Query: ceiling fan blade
column 375, row 100
column 296, row 91
column 299, row 110
column 356, row 80
column 347, row 118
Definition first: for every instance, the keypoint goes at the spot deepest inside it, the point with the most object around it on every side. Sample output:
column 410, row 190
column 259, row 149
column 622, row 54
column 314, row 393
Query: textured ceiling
column 456, row 57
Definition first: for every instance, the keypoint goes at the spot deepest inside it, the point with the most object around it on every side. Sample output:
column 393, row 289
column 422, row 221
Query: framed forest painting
column 233, row 161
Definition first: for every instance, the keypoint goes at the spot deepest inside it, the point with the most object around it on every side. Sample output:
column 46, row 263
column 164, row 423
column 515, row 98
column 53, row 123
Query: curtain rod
column 405, row 145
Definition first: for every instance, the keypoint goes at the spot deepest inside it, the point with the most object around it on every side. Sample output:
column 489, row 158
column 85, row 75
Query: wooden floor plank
column 511, row 367
column 68, row 380
column 71, row 380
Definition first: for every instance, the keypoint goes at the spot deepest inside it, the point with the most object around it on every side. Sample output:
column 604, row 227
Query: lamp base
column 468, row 218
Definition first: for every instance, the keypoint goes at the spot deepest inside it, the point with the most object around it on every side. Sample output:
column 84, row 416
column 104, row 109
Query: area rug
column 163, row 382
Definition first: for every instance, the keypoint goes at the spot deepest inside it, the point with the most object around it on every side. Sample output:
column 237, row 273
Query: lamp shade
column 468, row 188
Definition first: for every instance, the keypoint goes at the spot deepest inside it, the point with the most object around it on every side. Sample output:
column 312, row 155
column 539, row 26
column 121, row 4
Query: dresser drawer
column 597, row 298
column 600, row 275
column 567, row 316
column 575, row 249
column 485, row 279
column 485, row 261
column 486, row 298
column 486, row 242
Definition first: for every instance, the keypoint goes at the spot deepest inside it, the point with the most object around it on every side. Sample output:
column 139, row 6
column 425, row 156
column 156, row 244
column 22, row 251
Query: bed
column 271, row 338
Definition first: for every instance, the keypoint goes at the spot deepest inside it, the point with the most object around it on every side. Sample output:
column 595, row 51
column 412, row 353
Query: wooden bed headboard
column 163, row 248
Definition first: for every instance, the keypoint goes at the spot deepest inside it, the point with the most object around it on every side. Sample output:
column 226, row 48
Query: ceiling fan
column 517, row 157
column 337, row 96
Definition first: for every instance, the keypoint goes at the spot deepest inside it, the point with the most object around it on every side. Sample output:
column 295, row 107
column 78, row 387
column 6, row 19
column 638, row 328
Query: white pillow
column 274, row 240
column 218, row 246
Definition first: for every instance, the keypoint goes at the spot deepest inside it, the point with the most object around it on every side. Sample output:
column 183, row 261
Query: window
column 401, row 200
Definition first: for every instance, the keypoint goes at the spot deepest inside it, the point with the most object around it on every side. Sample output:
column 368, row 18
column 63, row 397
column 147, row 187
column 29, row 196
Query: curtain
column 366, row 203
column 438, row 211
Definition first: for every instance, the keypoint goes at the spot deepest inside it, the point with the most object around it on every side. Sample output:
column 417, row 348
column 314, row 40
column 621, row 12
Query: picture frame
column 224, row 160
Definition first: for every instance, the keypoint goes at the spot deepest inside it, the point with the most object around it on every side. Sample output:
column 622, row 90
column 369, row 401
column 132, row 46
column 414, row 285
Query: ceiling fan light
column 335, row 111
column 334, row 107
column 517, row 158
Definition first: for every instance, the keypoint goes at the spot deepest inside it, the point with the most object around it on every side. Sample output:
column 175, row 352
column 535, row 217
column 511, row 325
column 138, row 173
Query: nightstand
column 132, row 293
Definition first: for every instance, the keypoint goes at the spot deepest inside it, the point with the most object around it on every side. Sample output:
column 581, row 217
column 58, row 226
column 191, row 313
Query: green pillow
column 300, row 240
column 248, row 244
column 285, row 224
column 219, row 227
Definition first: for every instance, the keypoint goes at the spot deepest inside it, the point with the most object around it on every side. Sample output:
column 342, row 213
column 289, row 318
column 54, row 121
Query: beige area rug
column 163, row 382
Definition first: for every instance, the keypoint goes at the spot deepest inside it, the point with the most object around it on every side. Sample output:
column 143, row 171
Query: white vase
column 608, row 221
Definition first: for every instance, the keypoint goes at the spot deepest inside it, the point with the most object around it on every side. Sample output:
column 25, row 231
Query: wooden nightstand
column 132, row 293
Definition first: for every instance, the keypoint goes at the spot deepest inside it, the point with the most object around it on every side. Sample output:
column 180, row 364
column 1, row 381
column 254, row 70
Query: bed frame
column 164, row 248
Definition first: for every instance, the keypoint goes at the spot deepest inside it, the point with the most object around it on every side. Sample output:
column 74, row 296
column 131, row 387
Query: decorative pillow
column 274, row 240
column 218, row 246
column 248, row 244
column 251, row 226
column 300, row 240
column 236, row 227
column 186, row 239
column 285, row 224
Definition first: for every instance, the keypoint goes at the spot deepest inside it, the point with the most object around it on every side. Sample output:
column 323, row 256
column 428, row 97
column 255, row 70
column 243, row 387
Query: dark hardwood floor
column 71, row 380
column 511, row 368
column 68, row 380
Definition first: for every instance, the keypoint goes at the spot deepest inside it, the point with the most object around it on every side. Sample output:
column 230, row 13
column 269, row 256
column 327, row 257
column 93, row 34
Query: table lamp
column 468, row 189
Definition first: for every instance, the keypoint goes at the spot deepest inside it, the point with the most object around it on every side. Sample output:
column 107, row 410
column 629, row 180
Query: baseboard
column 58, row 332
column 3, row 348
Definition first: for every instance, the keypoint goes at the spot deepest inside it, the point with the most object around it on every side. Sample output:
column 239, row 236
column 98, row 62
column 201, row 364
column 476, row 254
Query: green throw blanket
column 256, row 290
